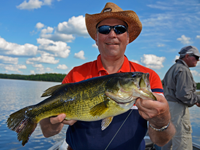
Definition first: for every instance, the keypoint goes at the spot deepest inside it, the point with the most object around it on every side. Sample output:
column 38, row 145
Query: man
column 179, row 90
column 113, row 29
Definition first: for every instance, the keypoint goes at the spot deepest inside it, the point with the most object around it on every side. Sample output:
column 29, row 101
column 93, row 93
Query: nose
column 112, row 33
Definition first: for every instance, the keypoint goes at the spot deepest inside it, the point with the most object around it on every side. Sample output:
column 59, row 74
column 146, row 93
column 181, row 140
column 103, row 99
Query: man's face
column 191, row 60
column 112, row 44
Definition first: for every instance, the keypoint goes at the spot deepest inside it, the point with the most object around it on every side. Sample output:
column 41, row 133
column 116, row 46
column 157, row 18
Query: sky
column 50, row 36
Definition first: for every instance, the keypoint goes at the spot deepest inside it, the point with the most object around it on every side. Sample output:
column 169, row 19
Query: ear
column 186, row 56
column 127, row 39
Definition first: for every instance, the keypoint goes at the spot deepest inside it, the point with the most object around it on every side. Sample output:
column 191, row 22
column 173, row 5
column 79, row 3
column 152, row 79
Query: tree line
column 52, row 77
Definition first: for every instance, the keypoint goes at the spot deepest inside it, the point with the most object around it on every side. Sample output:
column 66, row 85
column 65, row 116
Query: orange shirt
column 95, row 68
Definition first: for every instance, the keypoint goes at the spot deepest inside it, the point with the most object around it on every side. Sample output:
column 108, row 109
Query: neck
column 112, row 65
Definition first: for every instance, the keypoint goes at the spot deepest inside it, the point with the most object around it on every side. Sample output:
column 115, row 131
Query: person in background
column 179, row 90
column 113, row 29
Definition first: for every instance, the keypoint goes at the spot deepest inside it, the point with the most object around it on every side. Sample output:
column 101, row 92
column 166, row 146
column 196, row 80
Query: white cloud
column 161, row 6
column 9, row 60
column 45, row 58
column 63, row 67
column 185, row 40
column 43, row 70
column 38, row 65
column 39, row 25
column 15, row 68
column 40, row 69
column 75, row 25
column 160, row 45
column 34, row 4
column 47, row 30
column 55, row 36
column 176, row 57
column 95, row 45
column 136, row 61
column 198, row 36
column 152, row 61
column 47, row 2
column 80, row 55
column 157, row 20
column 195, row 73
column 65, row 31
column 31, row 4
column 60, row 49
column 16, row 49
column 32, row 72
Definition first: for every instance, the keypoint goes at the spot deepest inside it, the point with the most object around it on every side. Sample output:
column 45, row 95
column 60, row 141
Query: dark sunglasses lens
column 197, row 58
column 119, row 29
column 104, row 29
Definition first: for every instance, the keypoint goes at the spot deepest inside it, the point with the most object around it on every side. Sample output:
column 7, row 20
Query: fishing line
column 118, row 129
column 123, row 121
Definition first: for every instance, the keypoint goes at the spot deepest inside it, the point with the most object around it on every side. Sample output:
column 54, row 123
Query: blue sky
column 49, row 36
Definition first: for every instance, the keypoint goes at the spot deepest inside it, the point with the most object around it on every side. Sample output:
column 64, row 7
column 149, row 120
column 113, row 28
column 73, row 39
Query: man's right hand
column 61, row 119
column 53, row 125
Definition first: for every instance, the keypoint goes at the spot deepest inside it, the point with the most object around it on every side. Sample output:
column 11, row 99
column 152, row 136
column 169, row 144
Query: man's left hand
column 156, row 112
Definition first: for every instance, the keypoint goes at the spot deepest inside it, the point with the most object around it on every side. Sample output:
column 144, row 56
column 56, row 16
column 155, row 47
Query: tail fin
column 23, row 123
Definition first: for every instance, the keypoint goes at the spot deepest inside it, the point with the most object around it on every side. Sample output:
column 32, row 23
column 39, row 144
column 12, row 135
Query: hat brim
column 130, row 17
column 197, row 54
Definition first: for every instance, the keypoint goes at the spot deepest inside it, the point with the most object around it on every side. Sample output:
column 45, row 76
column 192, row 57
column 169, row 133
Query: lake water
column 16, row 94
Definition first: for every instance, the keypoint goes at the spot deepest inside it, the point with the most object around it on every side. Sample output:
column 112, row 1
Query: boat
column 62, row 145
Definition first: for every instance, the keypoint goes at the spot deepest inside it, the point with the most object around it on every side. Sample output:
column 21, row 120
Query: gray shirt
column 179, row 85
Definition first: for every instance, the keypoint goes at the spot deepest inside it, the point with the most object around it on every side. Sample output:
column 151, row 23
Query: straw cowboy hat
column 111, row 10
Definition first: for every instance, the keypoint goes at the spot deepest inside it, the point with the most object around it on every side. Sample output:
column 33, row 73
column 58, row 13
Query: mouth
column 112, row 43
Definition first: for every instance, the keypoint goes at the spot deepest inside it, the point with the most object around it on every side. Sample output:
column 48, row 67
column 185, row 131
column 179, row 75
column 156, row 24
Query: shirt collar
column 182, row 61
column 125, row 66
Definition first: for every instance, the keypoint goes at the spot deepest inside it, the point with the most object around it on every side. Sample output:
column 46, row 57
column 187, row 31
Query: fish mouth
column 119, row 102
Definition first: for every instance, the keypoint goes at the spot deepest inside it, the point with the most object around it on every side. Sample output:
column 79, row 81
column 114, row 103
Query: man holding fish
column 113, row 29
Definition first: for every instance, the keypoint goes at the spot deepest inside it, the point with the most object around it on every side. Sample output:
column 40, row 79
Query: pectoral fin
column 106, row 122
column 99, row 109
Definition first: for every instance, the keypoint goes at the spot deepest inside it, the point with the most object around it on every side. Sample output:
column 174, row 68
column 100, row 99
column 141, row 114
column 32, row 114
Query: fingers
column 153, row 110
column 69, row 122
column 147, row 108
column 61, row 119
column 57, row 119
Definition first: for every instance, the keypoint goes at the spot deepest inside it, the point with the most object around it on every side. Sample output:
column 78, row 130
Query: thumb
column 57, row 119
column 159, row 97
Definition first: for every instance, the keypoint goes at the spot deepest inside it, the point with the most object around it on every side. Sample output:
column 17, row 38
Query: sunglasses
column 196, row 57
column 105, row 29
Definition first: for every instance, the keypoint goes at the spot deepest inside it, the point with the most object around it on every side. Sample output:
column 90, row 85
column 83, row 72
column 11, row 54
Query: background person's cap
column 190, row 50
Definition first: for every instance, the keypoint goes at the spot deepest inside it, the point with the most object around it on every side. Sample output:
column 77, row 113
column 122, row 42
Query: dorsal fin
column 50, row 91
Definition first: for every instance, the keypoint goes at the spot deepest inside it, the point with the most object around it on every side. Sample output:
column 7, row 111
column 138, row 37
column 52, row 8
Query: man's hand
column 53, row 125
column 158, row 115
column 198, row 104
column 61, row 119
column 156, row 112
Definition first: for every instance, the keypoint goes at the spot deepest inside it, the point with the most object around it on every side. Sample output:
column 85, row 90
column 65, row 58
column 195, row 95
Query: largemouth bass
column 89, row 100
